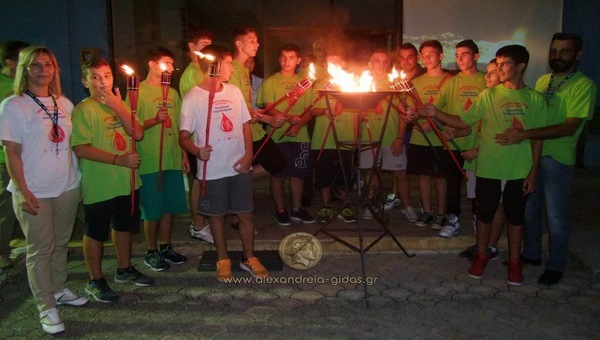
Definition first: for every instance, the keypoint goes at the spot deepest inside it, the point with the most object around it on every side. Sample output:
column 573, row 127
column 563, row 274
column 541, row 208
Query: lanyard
column 53, row 116
column 559, row 84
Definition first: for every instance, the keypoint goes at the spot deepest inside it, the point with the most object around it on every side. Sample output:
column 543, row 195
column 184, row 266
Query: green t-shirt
column 575, row 99
column 96, row 125
column 241, row 78
column 149, row 102
column 192, row 76
column 499, row 108
column 275, row 87
column 456, row 97
column 376, row 118
column 345, row 123
column 428, row 88
column 6, row 89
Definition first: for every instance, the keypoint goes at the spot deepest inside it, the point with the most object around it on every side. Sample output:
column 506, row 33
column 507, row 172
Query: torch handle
column 211, row 99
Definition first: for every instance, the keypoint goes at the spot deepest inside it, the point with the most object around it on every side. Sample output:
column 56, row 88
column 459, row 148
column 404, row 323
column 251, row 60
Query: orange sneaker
column 254, row 267
column 224, row 270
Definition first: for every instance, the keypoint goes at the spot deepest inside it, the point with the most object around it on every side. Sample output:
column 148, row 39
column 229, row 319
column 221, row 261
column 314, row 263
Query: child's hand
column 470, row 155
column 128, row 160
column 204, row 153
column 161, row 115
column 112, row 100
column 244, row 165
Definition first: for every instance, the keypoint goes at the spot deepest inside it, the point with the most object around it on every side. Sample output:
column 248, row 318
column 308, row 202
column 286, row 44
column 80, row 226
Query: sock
column 162, row 246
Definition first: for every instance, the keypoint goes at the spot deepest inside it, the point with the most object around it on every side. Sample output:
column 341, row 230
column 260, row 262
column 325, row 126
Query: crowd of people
column 515, row 144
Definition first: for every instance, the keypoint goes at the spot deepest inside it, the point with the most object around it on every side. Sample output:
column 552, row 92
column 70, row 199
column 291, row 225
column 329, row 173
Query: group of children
column 223, row 138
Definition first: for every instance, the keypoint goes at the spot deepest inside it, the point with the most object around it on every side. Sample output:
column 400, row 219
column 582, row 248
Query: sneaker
column 347, row 215
column 132, row 275
column 410, row 214
column 155, row 261
column 203, row 234
column 224, row 270
column 515, row 272
column 302, row 216
column 478, row 265
column 550, row 277
column 236, row 227
column 67, row 297
column 325, row 215
column 282, row 218
column 451, row 228
column 438, row 222
column 425, row 219
column 367, row 215
column 51, row 322
column 172, row 256
column 492, row 253
column 391, row 202
column 100, row 291
column 254, row 267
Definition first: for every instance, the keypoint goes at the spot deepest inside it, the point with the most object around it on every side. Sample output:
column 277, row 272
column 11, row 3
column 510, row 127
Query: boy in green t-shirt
column 503, row 172
column 101, row 129
column 159, row 202
column 293, row 144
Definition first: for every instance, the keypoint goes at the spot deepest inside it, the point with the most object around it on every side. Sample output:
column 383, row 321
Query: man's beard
column 560, row 65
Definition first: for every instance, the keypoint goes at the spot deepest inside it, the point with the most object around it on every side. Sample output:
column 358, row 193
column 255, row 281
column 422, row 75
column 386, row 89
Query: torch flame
column 128, row 70
column 392, row 76
column 205, row 56
column 349, row 82
column 312, row 73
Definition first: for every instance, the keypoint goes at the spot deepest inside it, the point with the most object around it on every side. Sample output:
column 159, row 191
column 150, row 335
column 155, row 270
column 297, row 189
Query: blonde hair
column 27, row 57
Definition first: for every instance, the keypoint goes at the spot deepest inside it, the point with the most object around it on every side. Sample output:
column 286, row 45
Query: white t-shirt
column 229, row 113
column 50, row 168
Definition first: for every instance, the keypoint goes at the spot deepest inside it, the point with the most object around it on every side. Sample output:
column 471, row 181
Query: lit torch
column 404, row 84
column 214, row 71
column 293, row 95
column 133, row 88
column 165, row 86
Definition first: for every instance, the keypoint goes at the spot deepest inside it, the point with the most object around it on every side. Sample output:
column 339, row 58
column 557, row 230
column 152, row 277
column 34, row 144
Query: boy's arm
column 447, row 119
column 530, row 182
column 161, row 115
column 245, row 163
column 114, row 102
column 398, row 143
column 513, row 135
column 186, row 143
column 128, row 160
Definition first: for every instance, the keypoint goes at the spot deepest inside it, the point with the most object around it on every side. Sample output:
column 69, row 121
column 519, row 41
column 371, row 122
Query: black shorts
column 423, row 160
column 115, row 213
column 328, row 171
column 297, row 159
column 489, row 191
column 269, row 157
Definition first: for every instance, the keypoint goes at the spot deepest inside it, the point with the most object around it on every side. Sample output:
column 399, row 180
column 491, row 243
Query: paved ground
column 428, row 296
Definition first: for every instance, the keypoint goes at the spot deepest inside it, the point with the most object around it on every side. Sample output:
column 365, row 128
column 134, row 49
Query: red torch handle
column 211, row 99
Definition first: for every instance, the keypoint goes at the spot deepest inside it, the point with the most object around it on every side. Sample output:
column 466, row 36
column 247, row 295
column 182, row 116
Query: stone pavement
column 428, row 296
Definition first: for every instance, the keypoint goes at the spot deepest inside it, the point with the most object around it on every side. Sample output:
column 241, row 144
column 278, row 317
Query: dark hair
column 470, row 44
column 241, row 31
column 431, row 43
column 219, row 52
column 290, row 48
column 409, row 46
column 10, row 50
column 154, row 54
column 577, row 41
column 493, row 61
column 517, row 53
column 93, row 62
column 193, row 34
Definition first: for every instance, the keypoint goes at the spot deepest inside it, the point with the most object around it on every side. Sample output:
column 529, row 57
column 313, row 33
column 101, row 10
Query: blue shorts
column 227, row 195
column 169, row 201
column 115, row 212
column 297, row 159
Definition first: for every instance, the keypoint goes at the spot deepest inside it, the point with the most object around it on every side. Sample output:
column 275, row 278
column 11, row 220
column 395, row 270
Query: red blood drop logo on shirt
column 226, row 124
column 57, row 137
column 431, row 100
column 378, row 109
column 119, row 142
column 517, row 124
column 468, row 104
column 168, row 124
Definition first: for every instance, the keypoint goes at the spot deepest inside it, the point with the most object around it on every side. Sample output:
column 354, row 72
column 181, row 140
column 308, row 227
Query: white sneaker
column 367, row 214
column 51, row 322
column 67, row 297
column 391, row 202
column 203, row 234
column 451, row 228
column 410, row 214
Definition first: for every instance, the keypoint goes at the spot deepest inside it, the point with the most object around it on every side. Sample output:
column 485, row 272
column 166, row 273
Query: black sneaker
column 155, row 261
column 468, row 253
column 172, row 256
column 347, row 215
column 550, row 277
column 100, row 291
column 283, row 218
column 301, row 215
column 424, row 220
column 132, row 275
column 438, row 222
